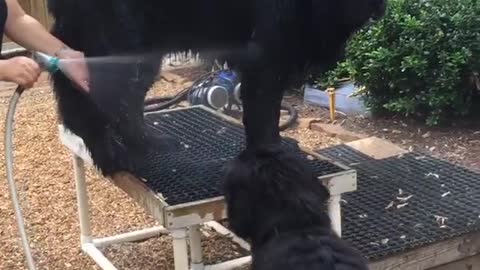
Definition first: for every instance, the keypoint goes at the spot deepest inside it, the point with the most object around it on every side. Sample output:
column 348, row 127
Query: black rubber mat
column 437, row 189
column 209, row 142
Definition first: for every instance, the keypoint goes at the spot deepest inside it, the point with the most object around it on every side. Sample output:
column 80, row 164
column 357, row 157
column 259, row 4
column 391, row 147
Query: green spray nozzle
column 46, row 62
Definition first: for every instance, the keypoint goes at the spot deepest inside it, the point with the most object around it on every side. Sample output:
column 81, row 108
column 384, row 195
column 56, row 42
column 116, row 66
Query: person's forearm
column 29, row 33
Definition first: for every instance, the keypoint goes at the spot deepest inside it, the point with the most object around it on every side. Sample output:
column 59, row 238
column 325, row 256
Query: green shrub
column 419, row 59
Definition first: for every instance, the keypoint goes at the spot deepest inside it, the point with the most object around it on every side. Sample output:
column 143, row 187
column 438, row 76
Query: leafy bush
column 421, row 58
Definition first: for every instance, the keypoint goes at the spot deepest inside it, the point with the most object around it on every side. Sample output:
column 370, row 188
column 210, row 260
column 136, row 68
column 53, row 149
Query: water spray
column 50, row 64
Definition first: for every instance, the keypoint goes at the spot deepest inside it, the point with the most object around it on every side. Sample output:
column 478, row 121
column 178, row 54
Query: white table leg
column 180, row 251
column 334, row 211
column 82, row 200
column 196, row 248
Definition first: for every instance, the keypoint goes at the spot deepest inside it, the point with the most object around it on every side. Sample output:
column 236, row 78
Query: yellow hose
column 331, row 95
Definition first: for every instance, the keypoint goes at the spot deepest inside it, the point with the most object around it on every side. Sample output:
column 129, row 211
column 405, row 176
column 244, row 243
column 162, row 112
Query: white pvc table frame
column 90, row 245
column 179, row 228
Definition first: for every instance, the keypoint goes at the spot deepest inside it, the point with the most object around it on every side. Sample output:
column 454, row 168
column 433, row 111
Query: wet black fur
column 267, row 41
column 276, row 202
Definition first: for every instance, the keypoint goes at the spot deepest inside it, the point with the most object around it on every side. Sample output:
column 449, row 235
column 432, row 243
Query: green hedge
column 421, row 58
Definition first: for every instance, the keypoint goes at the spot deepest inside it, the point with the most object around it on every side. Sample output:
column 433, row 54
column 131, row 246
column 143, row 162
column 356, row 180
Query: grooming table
column 182, row 190
column 435, row 226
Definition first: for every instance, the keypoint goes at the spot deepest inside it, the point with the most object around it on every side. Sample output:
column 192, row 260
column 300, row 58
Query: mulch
column 458, row 143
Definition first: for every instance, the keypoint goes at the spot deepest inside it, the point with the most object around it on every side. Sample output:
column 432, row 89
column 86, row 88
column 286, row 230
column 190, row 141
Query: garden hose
column 156, row 104
column 161, row 103
column 11, row 182
column 49, row 64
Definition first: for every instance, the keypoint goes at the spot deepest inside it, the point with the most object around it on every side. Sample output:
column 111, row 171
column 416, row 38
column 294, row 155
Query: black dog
column 267, row 41
column 275, row 201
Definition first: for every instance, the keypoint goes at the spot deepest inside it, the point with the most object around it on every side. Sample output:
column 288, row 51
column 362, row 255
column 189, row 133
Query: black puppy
column 274, row 200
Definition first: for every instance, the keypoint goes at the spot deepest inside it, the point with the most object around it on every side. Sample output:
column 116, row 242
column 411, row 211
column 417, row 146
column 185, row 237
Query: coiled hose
column 162, row 103
column 11, row 183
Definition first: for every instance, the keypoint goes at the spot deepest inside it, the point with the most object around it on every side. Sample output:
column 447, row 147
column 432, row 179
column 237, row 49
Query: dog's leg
column 110, row 118
column 262, row 93
column 119, row 91
column 264, row 80
column 76, row 110
column 272, row 55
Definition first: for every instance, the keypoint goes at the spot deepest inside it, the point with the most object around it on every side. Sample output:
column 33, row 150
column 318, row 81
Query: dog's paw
column 270, row 182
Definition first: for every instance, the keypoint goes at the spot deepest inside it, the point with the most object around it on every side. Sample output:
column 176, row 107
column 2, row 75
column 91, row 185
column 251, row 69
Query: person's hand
column 20, row 70
column 74, row 66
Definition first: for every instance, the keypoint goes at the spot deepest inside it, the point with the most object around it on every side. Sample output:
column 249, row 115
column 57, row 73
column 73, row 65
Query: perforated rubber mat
column 434, row 190
column 209, row 141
